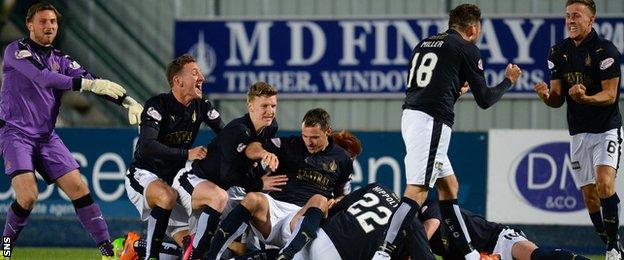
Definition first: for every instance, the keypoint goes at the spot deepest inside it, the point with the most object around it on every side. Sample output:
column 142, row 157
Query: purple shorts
column 48, row 156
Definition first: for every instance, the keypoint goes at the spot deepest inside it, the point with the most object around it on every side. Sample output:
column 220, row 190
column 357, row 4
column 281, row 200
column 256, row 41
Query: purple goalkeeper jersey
column 33, row 81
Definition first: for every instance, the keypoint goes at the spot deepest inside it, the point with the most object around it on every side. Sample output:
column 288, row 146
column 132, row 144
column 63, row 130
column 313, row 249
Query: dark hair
column 175, row 66
column 463, row 16
column 317, row 116
column 260, row 88
column 348, row 141
column 589, row 3
column 34, row 9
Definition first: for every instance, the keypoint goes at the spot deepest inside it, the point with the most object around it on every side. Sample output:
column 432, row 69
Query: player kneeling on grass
column 493, row 240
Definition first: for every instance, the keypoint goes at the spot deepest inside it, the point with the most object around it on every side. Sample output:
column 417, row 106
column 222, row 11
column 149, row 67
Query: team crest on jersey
column 588, row 61
column 606, row 63
column 241, row 147
column 333, row 166
column 74, row 65
column 480, row 64
column 56, row 67
column 551, row 65
column 154, row 114
column 22, row 54
column 194, row 117
column 213, row 114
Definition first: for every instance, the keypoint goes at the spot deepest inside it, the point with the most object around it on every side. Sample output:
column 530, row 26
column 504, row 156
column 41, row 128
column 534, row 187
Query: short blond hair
column 589, row 3
column 259, row 89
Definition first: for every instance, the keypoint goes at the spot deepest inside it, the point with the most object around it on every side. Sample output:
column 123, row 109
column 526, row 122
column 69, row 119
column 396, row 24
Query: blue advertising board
column 104, row 155
column 359, row 57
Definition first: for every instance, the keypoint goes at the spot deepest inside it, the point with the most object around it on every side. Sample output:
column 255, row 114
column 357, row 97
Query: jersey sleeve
column 343, row 184
column 148, row 144
column 18, row 57
column 233, row 145
column 473, row 70
column 553, row 64
column 211, row 116
column 75, row 70
column 609, row 62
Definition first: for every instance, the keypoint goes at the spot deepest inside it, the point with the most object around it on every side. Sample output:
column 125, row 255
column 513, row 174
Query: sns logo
column 6, row 246
column 205, row 56
column 543, row 178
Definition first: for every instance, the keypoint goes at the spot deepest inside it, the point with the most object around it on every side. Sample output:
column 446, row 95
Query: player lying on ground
column 487, row 237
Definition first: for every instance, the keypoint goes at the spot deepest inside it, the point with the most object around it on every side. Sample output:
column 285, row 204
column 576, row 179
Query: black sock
column 156, row 227
column 452, row 218
column 610, row 218
column 206, row 225
column 557, row 254
column 265, row 254
column 399, row 225
column 416, row 240
column 306, row 232
column 596, row 219
column 233, row 224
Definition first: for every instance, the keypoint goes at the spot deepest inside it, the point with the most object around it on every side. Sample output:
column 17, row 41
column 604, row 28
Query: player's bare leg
column 211, row 200
column 592, row 203
column 451, row 216
column 25, row 187
column 255, row 208
column 401, row 220
column 304, row 225
column 88, row 212
column 160, row 198
column 610, row 202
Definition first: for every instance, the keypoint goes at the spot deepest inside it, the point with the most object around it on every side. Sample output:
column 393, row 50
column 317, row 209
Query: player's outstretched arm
column 134, row 110
column 552, row 97
column 23, row 61
column 102, row 87
column 486, row 97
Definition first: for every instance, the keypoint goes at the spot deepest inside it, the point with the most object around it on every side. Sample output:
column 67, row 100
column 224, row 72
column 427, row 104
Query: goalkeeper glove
column 103, row 87
column 134, row 110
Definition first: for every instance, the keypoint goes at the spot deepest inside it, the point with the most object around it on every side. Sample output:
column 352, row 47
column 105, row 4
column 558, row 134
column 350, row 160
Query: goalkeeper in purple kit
column 35, row 76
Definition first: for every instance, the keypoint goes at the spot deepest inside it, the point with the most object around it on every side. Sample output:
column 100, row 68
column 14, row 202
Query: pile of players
column 250, row 194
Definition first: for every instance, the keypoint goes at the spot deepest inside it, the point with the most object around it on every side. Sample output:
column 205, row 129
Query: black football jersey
column 439, row 66
column 357, row 224
column 483, row 233
column 226, row 163
column 168, row 130
column 593, row 61
column 325, row 172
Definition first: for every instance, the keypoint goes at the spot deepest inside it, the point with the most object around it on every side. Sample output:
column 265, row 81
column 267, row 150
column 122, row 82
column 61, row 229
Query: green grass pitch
column 53, row 253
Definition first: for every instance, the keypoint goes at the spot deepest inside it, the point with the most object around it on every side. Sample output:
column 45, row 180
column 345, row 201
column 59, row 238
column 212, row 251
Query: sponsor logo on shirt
column 213, row 114
column 551, row 65
column 277, row 142
column 74, row 65
column 154, row 114
column 241, row 147
column 606, row 63
column 22, row 54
